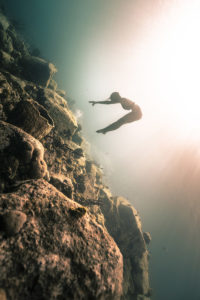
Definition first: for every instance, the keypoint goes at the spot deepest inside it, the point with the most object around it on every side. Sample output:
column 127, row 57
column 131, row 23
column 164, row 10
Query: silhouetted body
column 134, row 115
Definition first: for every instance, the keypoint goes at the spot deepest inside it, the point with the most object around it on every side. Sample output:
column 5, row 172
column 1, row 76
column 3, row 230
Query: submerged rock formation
column 63, row 235
column 123, row 223
column 64, row 253
column 21, row 156
column 37, row 70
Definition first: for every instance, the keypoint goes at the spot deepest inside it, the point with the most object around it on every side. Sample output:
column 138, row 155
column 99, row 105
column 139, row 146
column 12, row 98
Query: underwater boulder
column 77, row 138
column 18, row 44
column 53, row 85
column 6, row 60
column 37, row 70
column 21, row 156
column 4, row 23
column 32, row 117
column 60, row 253
column 5, row 42
column 62, row 93
column 124, row 225
column 63, row 184
column 11, row 92
column 65, row 122
column 147, row 237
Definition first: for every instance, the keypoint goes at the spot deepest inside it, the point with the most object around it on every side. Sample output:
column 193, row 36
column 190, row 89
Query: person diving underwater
column 134, row 115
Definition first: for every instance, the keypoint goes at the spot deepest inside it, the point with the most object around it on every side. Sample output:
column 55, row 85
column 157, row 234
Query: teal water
column 86, row 40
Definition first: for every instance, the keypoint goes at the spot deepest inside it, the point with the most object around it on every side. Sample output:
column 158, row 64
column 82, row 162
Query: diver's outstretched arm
column 102, row 102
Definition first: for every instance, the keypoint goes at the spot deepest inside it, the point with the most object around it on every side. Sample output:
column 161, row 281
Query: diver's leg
column 125, row 119
column 111, row 127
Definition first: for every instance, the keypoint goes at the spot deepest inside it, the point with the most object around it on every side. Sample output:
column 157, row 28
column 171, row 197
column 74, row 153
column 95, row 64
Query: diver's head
column 115, row 97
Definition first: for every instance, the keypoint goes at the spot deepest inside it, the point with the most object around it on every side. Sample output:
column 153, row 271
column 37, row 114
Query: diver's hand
column 92, row 102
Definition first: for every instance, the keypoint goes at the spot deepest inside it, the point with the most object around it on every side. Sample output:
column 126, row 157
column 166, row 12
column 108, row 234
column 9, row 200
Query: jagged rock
column 63, row 184
column 147, row 237
column 58, row 141
column 61, row 93
column 99, row 175
column 65, row 122
column 5, row 42
column 6, row 60
column 12, row 48
column 37, row 70
column 72, row 147
column 92, row 170
column 12, row 221
column 14, row 90
column 78, row 152
column 81, row 184
column 11, row 92
column 88, row 166
column 4, row 23
column 76, row 138
column 61, row 253
column 123, row 224
column 18, row 44
column 21, row 156
column 52, row 85
column 32, row 118
column 97, row 213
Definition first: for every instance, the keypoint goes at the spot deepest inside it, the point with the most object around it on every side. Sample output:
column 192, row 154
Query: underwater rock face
column 65, row 122
column 12, row 91
column 5, row 42
column 60, row 252
column 4, row 23
column 124, row 225
column 51, row 247
column 11, row 222
column 32, row 118
column 21, row 156
column 63, row 184
column 147, row 237
column 76, row 138
column 6, row 60
column 37, row 70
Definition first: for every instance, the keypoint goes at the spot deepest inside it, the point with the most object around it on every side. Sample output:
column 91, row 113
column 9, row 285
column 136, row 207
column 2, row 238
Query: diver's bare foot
column 101, row 131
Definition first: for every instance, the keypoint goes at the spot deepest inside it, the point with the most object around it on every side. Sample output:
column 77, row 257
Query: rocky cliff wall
column 63, row 235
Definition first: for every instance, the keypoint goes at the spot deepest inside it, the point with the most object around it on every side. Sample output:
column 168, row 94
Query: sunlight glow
column 157, row 66
column 177, row 65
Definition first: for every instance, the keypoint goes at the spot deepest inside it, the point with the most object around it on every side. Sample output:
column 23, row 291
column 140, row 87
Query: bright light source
column 177, row 65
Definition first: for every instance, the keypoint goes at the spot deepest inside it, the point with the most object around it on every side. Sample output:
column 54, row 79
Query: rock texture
column 124, row 225
column 63, row 235
column 32, row 118
column 53, row 250
column 37, row 70
column 21, row 156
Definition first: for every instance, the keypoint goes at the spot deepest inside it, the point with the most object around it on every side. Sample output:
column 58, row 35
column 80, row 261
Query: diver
column 134, row 115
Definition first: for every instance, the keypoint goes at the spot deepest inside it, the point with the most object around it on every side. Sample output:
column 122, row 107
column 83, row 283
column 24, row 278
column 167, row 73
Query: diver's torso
column 130, row 105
